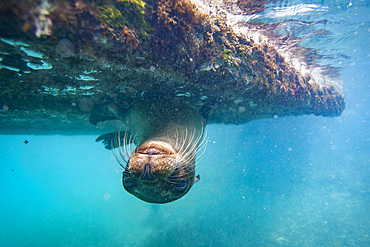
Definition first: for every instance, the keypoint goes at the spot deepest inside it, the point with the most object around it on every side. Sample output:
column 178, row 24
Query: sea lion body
column 162, row 167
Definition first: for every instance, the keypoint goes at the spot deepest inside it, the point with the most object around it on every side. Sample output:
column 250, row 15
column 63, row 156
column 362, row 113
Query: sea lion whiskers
column 198, row 143
column 189, row 153
column 190, row 170
column 184, row 152
column 120, row 159
column 202, row 147
column 132, row 141
column 177, row 136
column 117, row 152
column 193, row 150
column 121, row 155
column 183, row 138
column 184, row 162
column 125, row 144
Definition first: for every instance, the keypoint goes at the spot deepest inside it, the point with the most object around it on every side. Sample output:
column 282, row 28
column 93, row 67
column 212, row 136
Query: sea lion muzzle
column 156, row 172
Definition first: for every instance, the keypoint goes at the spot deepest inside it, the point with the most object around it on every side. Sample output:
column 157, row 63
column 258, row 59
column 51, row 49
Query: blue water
column 292, row 181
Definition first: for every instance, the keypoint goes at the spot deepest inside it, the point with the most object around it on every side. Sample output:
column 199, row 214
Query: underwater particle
column 12, row 170
column 4, row 108
column 26, row 142
column 241, row 109
column 152, row 68
column 281, row 240
column 65, row 48
column 107, row 196
column 74, row 104
column 290, row 149
column 276, row 116
column 86, row 105
column 334, row 147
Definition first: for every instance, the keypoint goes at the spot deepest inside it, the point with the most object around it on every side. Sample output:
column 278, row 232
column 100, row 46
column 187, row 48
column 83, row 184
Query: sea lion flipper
column 107, row 140
column 113, row 140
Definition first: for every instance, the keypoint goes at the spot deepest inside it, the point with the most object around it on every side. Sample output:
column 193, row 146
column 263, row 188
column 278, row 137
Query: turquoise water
column 292, row 181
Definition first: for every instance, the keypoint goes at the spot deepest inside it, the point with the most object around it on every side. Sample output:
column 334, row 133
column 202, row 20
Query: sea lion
column 162, row 167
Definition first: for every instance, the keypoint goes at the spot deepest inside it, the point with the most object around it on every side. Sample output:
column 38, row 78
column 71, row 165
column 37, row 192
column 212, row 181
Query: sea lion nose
column 147, row 176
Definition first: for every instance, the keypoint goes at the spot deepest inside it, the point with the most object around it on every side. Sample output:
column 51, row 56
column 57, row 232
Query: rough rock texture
column 126, row 51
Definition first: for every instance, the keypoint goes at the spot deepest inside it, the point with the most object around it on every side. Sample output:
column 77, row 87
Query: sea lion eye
column 181, row 185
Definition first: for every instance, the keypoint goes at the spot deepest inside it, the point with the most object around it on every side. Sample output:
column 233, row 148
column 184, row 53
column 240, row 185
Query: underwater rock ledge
column 62, row 59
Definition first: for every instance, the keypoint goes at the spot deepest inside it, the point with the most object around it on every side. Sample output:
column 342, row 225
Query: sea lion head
column 158, row 173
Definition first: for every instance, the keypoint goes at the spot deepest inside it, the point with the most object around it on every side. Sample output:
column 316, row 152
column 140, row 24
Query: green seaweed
column 138, row 3
column 226, row 55
column 124, row 13
column 111, row 15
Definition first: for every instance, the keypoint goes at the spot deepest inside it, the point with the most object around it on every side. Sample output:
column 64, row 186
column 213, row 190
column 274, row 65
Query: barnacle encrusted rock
column 126, row 52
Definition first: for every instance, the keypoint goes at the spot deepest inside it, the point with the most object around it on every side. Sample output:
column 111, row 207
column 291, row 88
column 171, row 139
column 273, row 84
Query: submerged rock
column 65, row 48
column 126, row 52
